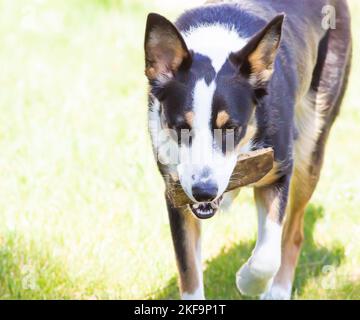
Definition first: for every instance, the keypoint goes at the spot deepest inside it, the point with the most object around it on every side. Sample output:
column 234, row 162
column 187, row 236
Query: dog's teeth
column 204, row 209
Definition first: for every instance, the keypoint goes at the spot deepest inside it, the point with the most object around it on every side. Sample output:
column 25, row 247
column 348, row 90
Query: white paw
column 250, row 282
column 256, row 276
column 277, row 293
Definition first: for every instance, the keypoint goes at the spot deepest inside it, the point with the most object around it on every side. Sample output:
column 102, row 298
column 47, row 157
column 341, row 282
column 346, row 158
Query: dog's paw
column 276, row 292
column 256, row 276
column 251, row 282
column 198, row 294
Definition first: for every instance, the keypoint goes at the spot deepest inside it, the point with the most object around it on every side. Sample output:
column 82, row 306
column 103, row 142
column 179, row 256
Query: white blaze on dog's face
column 206, row 83
column 203, row 164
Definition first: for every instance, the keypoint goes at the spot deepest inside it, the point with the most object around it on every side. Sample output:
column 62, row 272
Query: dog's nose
column 204, row 192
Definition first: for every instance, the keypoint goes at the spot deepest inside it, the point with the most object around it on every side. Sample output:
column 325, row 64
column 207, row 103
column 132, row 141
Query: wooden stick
column 250, row 168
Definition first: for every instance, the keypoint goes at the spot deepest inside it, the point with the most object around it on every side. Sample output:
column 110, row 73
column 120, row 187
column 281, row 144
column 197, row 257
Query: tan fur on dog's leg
column 302, row 187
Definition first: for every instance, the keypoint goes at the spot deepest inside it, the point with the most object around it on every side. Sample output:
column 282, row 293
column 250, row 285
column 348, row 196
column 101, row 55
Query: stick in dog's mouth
column 250, row 168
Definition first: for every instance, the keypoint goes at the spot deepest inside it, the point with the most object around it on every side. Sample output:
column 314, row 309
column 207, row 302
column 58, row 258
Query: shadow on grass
column 219, row 274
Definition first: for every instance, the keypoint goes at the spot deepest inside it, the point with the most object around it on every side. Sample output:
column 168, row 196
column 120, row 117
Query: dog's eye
column 230, row 131
column 183, row 133
column 228, row 137
column 231, row 126
column 182, row 126
column 184, row 136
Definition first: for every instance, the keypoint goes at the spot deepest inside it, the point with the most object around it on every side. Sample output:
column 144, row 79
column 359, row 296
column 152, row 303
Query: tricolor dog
column 235, row 76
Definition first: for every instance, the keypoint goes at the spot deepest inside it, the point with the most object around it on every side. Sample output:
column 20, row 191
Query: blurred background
column 82, row 214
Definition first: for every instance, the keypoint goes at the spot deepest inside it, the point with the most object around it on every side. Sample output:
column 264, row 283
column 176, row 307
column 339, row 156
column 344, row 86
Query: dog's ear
column 256, row 60
column 165, row 49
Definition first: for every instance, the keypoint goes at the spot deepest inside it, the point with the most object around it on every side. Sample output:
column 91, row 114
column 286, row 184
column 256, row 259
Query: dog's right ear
column 165, row 48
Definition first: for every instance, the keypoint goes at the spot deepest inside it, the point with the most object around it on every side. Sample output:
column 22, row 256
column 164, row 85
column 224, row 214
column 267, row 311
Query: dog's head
column 208, row 110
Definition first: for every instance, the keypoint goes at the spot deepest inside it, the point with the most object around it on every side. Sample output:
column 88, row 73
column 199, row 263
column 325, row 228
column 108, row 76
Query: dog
column 262, row 74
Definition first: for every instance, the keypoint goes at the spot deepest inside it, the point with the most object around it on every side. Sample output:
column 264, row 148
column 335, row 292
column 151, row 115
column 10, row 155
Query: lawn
column 82, row 214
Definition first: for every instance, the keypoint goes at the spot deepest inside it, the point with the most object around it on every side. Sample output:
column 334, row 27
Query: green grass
column 82, row 214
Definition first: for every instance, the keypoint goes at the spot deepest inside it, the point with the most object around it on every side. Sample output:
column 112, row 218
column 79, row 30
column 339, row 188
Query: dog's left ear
column 256, row 60
column 165, row 48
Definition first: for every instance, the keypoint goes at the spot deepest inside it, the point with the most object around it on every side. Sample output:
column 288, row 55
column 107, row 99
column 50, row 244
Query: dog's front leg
column 257, row 274
column 185, row 230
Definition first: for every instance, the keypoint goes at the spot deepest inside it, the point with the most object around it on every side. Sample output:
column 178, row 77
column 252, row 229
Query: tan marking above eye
column 222, row 118
column 189, row 118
